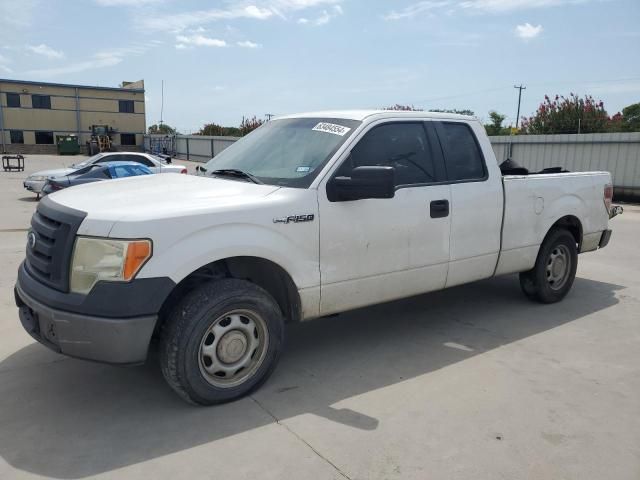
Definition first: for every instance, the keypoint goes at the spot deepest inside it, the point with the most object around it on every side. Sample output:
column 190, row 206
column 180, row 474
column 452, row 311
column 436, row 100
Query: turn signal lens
column 184, row 171
column 137, row 253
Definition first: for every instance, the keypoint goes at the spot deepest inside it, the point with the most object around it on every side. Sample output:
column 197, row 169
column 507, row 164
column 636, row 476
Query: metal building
column 33, row 114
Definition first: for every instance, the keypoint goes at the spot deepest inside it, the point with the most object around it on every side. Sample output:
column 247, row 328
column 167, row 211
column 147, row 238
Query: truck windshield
column 287, row 152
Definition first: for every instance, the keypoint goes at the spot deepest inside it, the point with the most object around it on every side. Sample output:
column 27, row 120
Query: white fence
column 618, row 153
column 197, row 148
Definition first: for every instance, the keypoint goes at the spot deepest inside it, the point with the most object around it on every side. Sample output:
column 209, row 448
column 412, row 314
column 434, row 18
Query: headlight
column 96, row 259
column 37, row 178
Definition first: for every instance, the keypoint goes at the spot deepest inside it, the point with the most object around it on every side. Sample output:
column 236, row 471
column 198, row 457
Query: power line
column 538, row 84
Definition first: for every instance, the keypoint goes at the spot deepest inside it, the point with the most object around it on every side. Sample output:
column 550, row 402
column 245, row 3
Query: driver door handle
column 439, row 208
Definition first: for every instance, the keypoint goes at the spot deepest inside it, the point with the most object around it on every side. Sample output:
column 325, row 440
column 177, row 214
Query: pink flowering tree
column 570, row 114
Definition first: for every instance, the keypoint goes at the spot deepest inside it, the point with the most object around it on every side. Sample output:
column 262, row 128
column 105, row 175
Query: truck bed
column 534, row 202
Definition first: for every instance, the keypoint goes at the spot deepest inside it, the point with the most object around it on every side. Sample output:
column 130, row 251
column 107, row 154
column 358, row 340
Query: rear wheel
column 221, row 341
column 552, row 276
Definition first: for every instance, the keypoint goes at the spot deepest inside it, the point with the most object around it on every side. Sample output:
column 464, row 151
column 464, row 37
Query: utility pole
column 162, row 102
column 520, row 88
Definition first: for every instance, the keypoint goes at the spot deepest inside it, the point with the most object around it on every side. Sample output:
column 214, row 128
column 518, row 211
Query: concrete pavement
column 474, row 382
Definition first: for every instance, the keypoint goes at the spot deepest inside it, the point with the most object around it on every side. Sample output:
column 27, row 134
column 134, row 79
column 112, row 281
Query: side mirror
column 364, row 182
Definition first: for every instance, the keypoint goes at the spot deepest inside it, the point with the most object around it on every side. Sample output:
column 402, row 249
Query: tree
column 466, row 111
column 212, row 129
column 631, row 118
column 495, row 127
column 403, row 108
column 249, row 124
column 215, row 130
column 162, row 129
column 570, row 114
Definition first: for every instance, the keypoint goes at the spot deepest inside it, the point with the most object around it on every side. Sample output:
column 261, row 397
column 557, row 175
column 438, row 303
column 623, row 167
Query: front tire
column 551, row 278
column 221, row 341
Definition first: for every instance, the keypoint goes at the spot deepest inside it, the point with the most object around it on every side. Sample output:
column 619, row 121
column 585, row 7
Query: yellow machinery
column 101, row 140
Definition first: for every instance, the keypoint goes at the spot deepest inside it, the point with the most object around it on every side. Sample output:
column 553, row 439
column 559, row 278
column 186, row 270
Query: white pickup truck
column 310, row 215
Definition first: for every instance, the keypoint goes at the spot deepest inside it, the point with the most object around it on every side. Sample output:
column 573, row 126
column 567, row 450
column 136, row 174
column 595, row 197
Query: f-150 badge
column 295, row 219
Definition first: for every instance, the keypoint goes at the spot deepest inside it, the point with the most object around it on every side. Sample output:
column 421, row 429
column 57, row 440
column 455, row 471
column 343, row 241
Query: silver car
column 35, row 182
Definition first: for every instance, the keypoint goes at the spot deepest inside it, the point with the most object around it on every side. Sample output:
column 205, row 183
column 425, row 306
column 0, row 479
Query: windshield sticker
column 331, row 128
column 303, row 169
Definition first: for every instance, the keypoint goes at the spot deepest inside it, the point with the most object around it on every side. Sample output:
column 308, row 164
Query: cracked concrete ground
column 474, row 382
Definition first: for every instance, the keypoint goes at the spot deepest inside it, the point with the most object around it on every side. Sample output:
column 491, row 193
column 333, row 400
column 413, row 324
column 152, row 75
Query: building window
column 44, row 138
column 16, row 136
column 127, row 139
column 41, row 101
column 126, row 106
column 13, row 100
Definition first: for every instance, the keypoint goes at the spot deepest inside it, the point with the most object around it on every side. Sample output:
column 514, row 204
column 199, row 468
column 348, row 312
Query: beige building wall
column 74, row 109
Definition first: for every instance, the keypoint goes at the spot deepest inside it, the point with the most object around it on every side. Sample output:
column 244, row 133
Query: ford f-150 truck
column 309, row 215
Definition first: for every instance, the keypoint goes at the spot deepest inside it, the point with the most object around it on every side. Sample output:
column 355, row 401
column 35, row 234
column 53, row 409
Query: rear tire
column 221, row 341
column 551, row 278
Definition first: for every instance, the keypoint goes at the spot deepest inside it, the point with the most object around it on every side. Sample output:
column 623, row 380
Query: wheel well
column 264, row 273
column 573, row 225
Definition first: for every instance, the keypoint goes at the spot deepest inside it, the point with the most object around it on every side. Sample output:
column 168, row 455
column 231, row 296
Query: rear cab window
column 463, row 157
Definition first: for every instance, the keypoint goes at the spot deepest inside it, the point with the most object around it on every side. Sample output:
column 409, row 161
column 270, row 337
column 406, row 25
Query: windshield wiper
column 232, row 172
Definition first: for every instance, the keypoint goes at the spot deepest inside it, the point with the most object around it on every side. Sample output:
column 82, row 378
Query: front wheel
column 552, row 276
column 221, row 341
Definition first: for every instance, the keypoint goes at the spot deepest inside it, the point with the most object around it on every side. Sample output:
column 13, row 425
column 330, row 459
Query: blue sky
column 221, row 60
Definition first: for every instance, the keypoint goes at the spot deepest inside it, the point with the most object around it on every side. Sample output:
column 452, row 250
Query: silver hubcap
column 558, row 267
column 233, row 348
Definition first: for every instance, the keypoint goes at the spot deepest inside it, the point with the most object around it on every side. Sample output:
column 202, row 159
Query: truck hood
column 158, row 196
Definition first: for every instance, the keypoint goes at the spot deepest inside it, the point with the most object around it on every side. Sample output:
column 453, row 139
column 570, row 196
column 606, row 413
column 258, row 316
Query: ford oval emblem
column 31, row 240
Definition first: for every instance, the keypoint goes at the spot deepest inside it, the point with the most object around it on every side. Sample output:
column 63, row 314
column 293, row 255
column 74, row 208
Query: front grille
column 54, row 227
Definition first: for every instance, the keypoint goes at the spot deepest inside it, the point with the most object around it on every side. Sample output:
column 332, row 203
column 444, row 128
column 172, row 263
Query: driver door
column 375, row 250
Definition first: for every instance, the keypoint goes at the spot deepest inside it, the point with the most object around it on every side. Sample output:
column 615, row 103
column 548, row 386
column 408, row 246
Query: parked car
column 309, row 215
column 35, row 182
column 95, row 172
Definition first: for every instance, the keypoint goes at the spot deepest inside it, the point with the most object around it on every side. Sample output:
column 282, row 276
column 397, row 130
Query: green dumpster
column 67, row 144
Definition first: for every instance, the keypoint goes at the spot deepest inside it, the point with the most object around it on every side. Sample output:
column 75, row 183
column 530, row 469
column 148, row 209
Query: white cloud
column 198, row 40
column 182, row 21
column 473, row 6
column 252, row 9
column 325, row 17
column 248, row 44
column 509, row 5
column 125, row 3
column 45, row 51
column 528, row 31
column 416, row 9
column 103, row 59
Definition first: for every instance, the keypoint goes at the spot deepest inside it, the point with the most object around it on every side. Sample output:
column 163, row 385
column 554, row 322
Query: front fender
column 292, row 247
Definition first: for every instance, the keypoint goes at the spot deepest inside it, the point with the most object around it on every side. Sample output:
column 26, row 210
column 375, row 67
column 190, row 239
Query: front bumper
column 112, row 324
column 34, row 186
column 110, row 340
